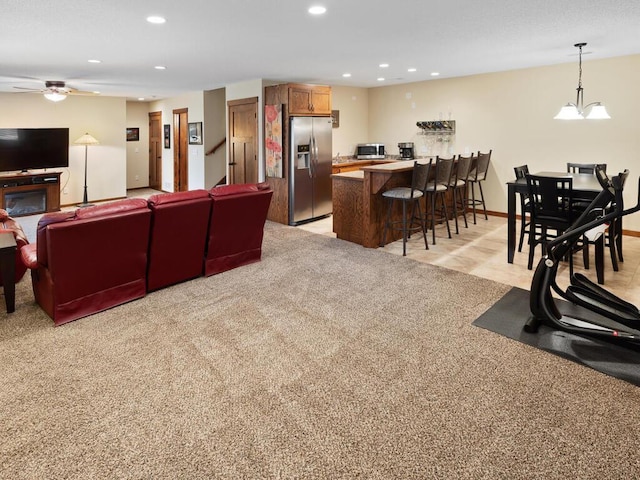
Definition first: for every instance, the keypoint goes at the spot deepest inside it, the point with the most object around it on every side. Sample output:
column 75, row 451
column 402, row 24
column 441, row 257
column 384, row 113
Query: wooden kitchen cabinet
column 297, row 99
column 309, row 99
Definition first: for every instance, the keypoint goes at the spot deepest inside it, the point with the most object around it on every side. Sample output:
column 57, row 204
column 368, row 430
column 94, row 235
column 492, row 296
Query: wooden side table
column 8, row 269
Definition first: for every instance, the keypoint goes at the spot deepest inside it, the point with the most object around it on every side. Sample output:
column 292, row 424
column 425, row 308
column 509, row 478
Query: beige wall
column 215, row 126
column 512, row 114
column 194, row 102
column 102, row 117
column 353, row 105
column 138, row 152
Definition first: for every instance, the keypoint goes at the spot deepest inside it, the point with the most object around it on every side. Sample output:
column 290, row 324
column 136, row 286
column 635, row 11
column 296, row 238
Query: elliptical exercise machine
column 598, row 312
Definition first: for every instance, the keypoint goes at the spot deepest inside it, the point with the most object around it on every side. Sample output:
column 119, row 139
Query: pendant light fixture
column 575, row 111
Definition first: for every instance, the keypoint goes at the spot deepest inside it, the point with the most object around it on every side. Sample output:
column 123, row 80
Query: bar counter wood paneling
column 359, row 210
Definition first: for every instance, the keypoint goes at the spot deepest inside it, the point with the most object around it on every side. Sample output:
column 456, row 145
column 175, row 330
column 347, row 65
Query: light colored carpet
column 325, row 360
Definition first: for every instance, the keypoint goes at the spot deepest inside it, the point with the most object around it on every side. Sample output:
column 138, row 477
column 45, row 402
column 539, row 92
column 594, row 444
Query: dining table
column 585, row 185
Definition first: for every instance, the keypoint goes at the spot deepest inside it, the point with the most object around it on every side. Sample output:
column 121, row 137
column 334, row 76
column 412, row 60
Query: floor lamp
column 86, row 140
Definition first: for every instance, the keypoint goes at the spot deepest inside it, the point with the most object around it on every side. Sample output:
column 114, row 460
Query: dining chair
column 458, row 187
column 525, row 205
column 551, row 200
column 436, row 193
column 408, row 196
column 611, row 238
column 478, row 175
column 584, row 167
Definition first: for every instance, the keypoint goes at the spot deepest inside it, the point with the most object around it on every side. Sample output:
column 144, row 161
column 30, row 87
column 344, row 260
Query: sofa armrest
column 29, row 256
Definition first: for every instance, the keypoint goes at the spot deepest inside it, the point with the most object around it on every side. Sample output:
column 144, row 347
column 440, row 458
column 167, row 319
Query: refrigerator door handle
column 312, row 149
column 314, row 156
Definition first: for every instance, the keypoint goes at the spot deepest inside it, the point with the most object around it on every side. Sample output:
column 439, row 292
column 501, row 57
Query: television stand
column 30, row 194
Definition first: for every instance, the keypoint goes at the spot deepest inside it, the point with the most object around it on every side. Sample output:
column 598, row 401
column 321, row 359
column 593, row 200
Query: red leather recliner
column 179, row 228
column 236, row 228
column 90, row 260
column 9, row 224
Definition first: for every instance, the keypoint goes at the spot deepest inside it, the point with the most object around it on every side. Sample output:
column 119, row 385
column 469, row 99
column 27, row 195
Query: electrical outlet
column 137, row 177
column 65, row 191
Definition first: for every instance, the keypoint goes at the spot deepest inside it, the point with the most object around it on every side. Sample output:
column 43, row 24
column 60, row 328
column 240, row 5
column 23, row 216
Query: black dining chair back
column 551, row 201
column 525, row 205
column 585, row 167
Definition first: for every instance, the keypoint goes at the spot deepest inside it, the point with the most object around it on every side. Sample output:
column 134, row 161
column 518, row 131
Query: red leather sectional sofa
column 98, row 257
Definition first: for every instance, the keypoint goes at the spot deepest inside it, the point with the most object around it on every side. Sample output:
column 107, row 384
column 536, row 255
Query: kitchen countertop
column 355, row 161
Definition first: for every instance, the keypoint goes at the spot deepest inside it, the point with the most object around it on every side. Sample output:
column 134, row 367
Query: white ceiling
column 207, row 44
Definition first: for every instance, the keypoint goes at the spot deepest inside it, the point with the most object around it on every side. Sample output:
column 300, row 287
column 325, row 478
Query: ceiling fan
column 55, row 90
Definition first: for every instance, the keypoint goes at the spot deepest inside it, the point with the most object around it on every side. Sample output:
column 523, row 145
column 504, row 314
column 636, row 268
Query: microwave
column 367, row 151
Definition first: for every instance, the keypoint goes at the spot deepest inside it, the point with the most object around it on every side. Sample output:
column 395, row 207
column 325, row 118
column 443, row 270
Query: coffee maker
column 406, row 150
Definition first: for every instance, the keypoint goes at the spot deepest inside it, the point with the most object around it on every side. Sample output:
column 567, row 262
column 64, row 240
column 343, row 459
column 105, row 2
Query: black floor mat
column 508, row 316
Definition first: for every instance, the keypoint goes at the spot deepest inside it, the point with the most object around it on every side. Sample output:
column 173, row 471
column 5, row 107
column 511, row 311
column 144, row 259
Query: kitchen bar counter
column 349, row 165
column 359, row 210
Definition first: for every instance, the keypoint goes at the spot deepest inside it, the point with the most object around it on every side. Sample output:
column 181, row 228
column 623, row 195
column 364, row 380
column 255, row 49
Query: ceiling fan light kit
column 575, row 111
column 55, row 96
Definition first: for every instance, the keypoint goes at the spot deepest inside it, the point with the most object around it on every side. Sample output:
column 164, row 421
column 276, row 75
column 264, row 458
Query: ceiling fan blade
column 80, row 92
column 27, row 89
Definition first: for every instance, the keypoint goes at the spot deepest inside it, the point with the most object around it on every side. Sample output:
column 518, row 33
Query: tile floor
column 481, row 250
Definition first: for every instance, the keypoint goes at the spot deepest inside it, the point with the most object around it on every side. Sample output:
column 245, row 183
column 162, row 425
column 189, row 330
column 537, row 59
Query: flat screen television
column 31, row 148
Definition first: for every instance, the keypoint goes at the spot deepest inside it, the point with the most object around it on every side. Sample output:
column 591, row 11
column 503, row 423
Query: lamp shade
column 55, row 96
column 569, row 112
column 598, row 112
column 86, row 139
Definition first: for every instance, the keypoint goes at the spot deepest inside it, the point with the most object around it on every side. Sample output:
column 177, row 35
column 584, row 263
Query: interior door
column 243, row 144
column 180, row 150
column 155, row 150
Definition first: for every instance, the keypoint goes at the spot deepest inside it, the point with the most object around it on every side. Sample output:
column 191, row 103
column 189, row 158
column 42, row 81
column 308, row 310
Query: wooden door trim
column 155, row 116
column 232, row 104
column 242, row 101
column 180, row 183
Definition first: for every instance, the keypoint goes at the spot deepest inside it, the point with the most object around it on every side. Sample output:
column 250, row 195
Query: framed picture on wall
column 195, row 133
column 273, row 140
column 133, row 134
column 167, row 136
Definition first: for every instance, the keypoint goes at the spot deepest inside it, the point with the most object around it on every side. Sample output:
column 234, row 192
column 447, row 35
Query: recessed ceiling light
column 381, row 79
column 346, row 75
column 435, row 74
column 96, row 92
column 158, row 20
column 412, row 69
column 141, row 99
column 160, row 67
column 317, row 10
column 384, row 65
column 94, row 61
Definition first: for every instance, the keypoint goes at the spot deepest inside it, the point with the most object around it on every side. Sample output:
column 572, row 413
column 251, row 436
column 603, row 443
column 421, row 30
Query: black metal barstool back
column 458, row 187
column 436, row 190
column 408, row 196
column 476, row 177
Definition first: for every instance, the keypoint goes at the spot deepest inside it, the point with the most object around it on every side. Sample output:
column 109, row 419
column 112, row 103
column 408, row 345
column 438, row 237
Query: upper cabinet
column 309, row 99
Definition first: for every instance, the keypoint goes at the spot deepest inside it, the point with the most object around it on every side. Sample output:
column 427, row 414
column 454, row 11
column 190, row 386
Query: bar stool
column 436, row 189
column 408, row 195
column 458, row 187
column 476, row 177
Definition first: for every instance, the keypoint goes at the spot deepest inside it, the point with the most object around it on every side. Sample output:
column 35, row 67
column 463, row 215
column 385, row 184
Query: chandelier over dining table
column 576, row 111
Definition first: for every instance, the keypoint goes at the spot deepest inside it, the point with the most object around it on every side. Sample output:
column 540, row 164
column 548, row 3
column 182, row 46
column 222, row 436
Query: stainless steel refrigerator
column 310, row 169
